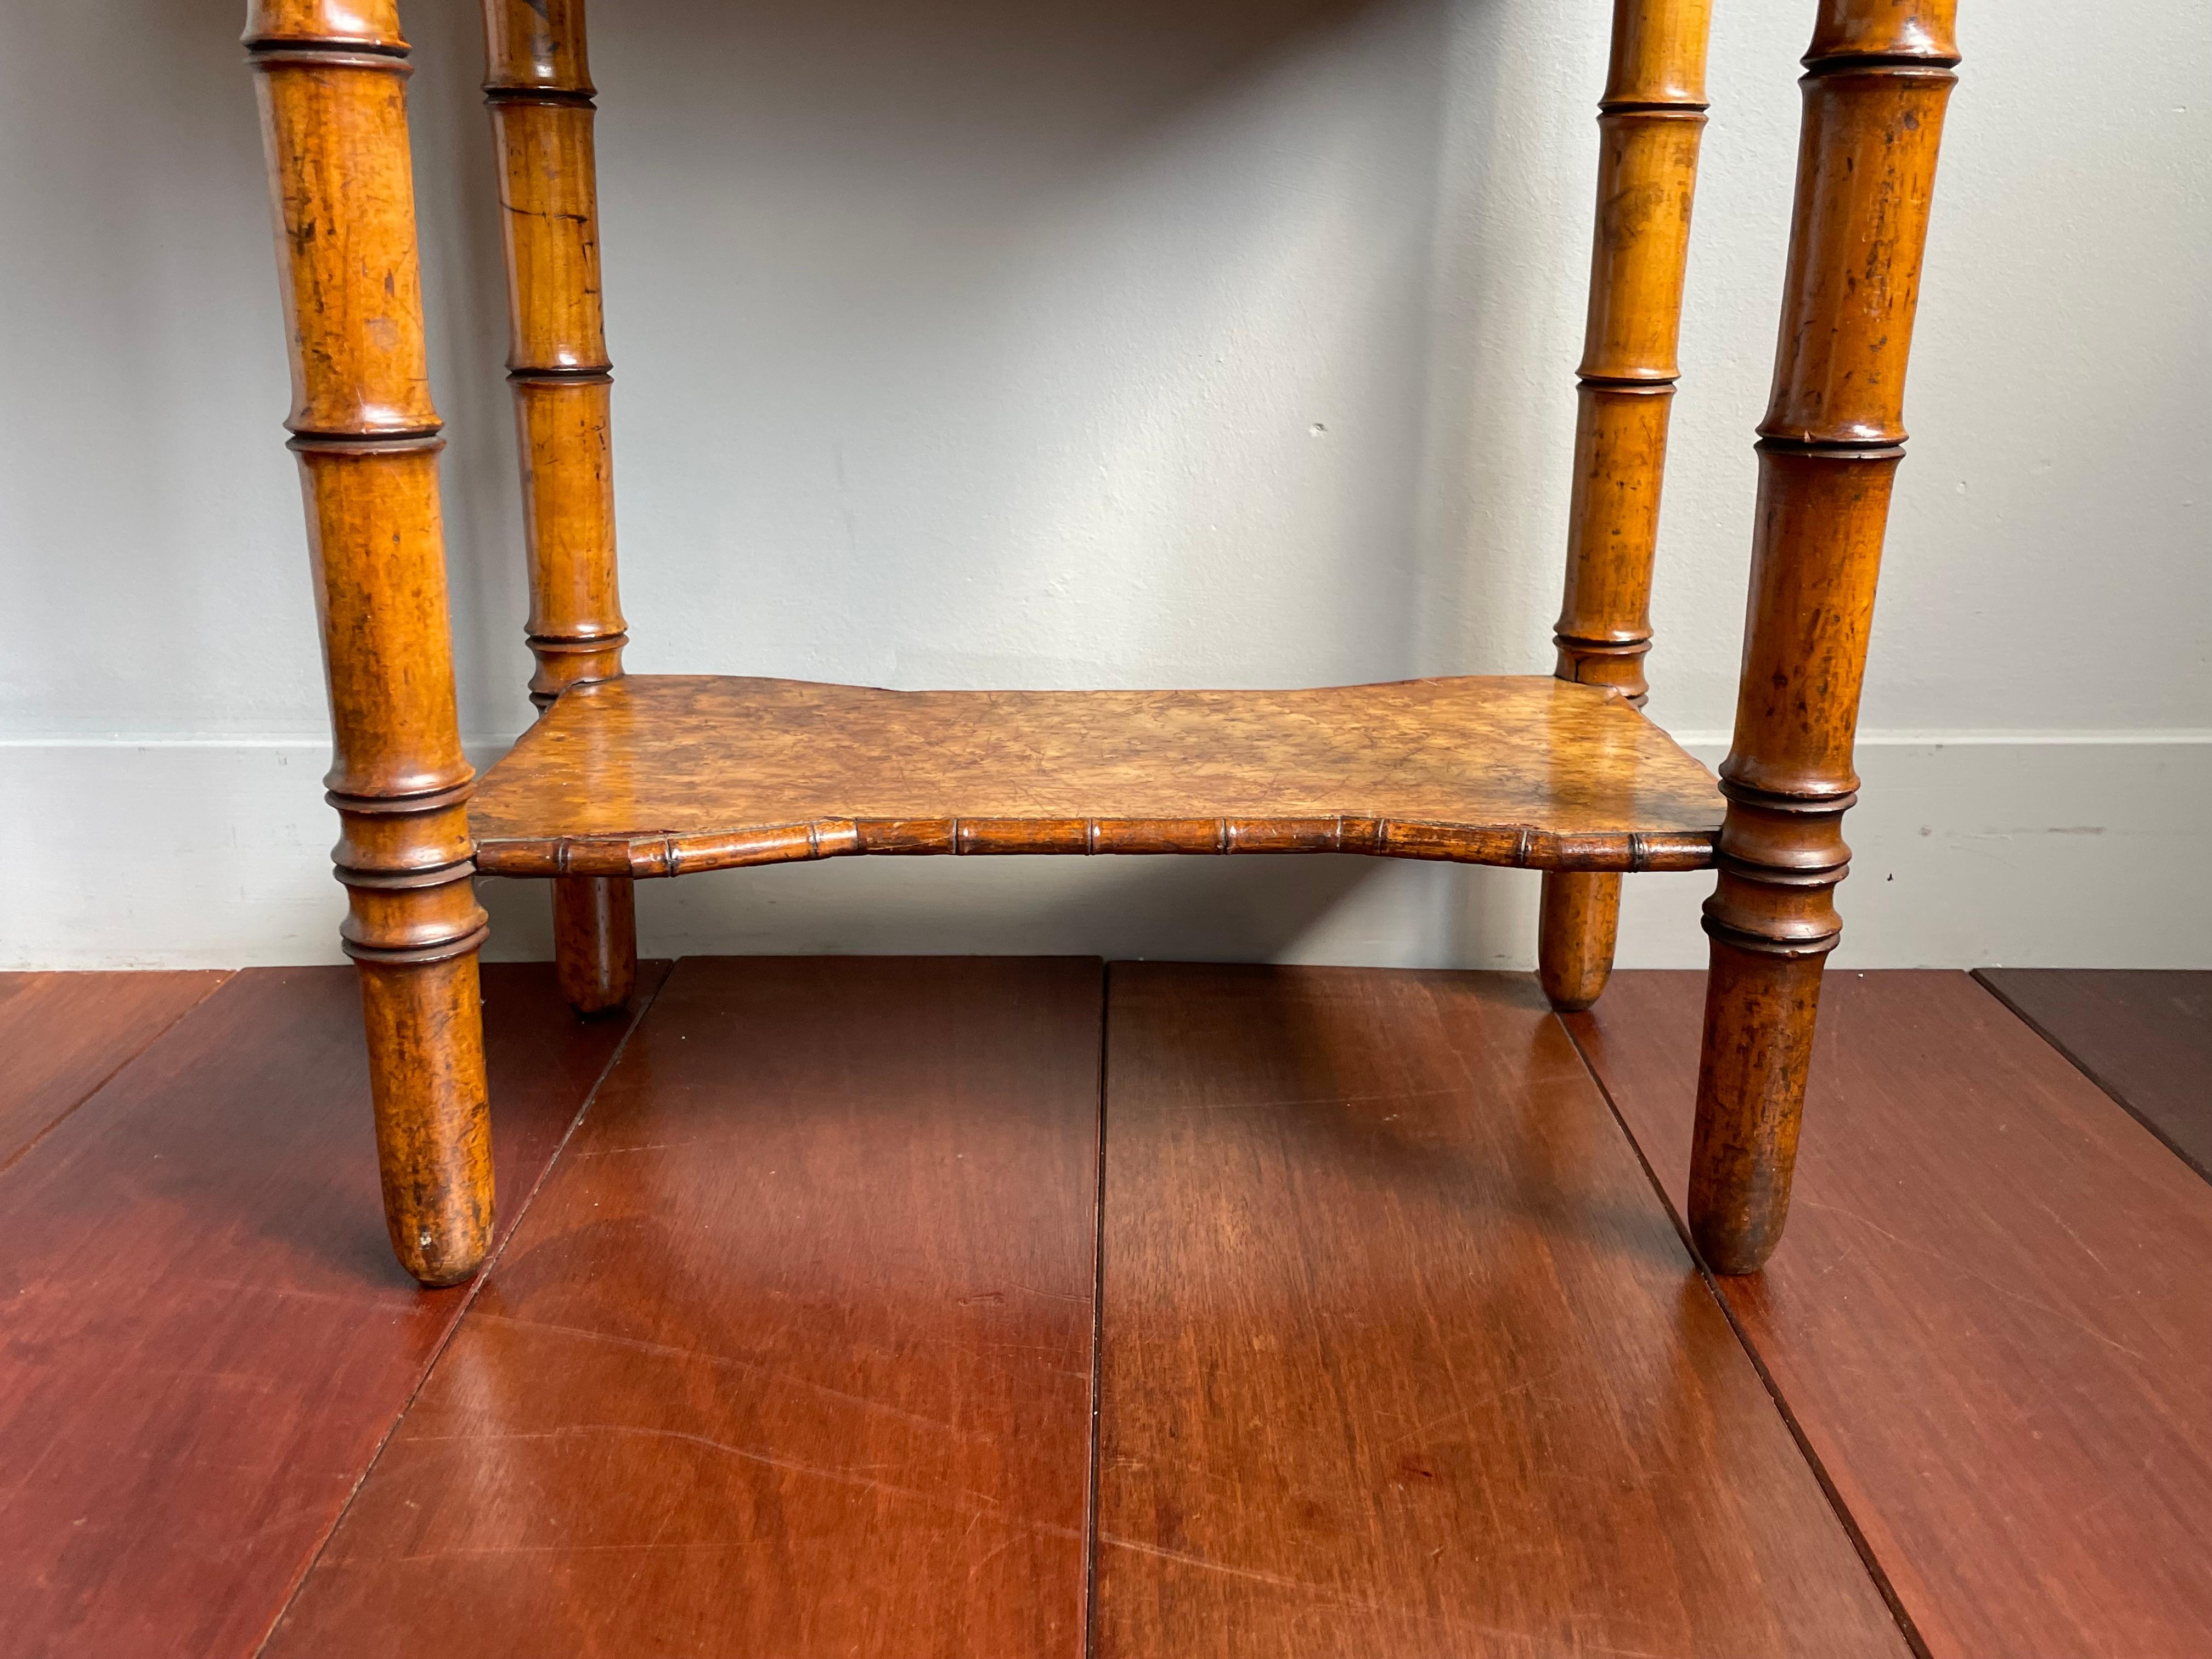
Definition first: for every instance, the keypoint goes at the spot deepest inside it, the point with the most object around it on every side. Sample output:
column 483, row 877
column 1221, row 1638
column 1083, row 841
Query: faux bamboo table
column 627, row 777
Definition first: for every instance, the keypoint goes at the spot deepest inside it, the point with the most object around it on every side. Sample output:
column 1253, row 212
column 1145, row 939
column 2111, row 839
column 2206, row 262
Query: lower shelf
column 658, row 775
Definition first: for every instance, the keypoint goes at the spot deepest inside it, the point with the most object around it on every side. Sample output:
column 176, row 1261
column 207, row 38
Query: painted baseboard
column 2057, row 850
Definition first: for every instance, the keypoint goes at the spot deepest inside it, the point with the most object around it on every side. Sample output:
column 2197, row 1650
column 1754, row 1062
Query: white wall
column 985, row 343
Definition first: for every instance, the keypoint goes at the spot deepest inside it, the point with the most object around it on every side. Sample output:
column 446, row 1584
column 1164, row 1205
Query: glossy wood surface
column 538, row 80
column 595, row 941
column 2144, row 1036
column 331, row 79
column 63, row 1035
column 1651, row 123
column 1879, row 77
column 206, row 1337
column 1991, row 1324
column 1579, row 925
column 652, row 775
column 368, row 26
column 791, row 1355
column 1402, row 1354
column 686, row 774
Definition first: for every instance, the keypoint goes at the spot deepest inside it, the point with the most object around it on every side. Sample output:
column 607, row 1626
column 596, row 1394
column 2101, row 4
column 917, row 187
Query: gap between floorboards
column 475, row 1285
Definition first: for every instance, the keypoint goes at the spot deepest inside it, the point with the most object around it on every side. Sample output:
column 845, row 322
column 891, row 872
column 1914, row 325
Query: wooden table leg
column 1574, row 945
column 595, row 941
column 1879, row 75
column 537, row 81
column 1649, row 122
column 333, row 79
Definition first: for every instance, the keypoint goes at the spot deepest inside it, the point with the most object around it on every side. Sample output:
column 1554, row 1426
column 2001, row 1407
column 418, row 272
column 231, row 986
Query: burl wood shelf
column 660, row 775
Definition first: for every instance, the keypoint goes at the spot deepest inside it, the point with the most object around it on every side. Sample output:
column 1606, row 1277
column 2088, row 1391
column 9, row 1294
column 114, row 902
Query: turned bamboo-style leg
column 537, row 81
column 1574, row 945
column 1880, row 73
column 1649, row 122
column 333, row 79
column 595, row 941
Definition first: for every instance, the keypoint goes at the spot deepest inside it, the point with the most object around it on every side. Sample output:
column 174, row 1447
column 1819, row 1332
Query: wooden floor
column 1028, row 1309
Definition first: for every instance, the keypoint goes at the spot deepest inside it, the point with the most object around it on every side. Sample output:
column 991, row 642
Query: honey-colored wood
column 1880, row 74
column 537, row 81
column 624, row 780
column 1649, row 122
column 594, row 918
column 1574, row 945
column 331, row 76
column 1910, row 30
column 654, row 776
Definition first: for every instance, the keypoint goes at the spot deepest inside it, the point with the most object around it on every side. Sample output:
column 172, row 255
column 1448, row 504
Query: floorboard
column 1403, row 1355
column 1989, row 1316
column 206, row 1334
column 2145, row 1035
column 64, row 1035
column 791, row 1358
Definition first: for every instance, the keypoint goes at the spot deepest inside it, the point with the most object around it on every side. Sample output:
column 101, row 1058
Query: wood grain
column 2144, row 1036
column 654, row 775
column 206, row 1337
column 1579, row 924
column 1878, row 80
column 1649, row 124
column 331, row 79
column 1991, row 1325
column 538, row 80
column 1403, row 1355
column 792, row 1356
column 595, row 941
column 64, row 1035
